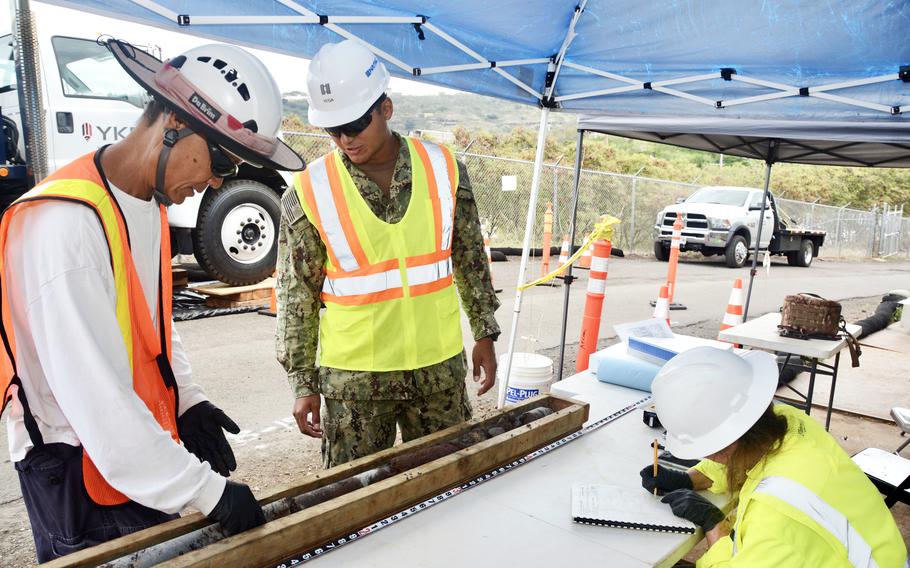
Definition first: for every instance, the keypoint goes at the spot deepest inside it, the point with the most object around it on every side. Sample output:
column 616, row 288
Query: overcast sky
column 289, row 72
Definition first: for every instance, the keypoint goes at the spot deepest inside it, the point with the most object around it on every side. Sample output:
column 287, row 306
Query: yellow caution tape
column 602, row 230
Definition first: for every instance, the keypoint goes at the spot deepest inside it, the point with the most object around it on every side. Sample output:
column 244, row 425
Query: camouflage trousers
column 357, row 428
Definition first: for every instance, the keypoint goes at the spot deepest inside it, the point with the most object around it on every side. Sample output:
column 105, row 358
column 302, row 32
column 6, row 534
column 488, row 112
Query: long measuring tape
column 422, row 506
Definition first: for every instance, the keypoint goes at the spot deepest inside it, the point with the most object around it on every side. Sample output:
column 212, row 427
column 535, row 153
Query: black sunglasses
column 222, row 164
column 355, row 127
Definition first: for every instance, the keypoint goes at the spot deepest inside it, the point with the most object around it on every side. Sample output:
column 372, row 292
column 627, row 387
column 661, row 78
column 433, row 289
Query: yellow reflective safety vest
column 388, row 292
column 148, row 349
column 808, row 504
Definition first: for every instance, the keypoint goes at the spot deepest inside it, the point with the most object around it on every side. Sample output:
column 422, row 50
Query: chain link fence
column 502, row 188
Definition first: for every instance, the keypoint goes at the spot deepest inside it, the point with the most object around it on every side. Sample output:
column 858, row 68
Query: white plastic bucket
column 531, row 375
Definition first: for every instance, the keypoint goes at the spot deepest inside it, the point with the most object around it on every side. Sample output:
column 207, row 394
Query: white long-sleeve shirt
column 72, row 360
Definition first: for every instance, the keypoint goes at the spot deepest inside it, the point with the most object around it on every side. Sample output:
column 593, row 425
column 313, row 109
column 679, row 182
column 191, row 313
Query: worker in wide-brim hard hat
column 107, row 431
column 383, row 232
column 800, row 499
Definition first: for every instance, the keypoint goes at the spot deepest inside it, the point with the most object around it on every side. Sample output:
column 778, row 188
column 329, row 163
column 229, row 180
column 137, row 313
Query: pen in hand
column 655, row 464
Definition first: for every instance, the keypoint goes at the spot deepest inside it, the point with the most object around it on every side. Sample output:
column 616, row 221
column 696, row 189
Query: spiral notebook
column 626, row 508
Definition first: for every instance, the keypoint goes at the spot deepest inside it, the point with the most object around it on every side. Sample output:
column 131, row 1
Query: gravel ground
column 284, row 455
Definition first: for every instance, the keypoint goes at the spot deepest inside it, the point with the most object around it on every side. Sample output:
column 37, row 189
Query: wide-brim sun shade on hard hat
column 707, row 398
column 201, row 112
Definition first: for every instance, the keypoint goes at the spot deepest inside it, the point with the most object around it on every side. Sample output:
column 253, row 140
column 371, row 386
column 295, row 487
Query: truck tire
column 736, row 252
column 661, row 252
column 802, row 257
column 235, row 239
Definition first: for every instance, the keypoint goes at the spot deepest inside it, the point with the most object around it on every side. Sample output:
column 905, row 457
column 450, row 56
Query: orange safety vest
column 148, row 349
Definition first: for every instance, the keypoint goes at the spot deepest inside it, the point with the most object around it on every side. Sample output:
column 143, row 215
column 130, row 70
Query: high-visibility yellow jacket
column 806, row 505
column 148, row 348
column 388, row 290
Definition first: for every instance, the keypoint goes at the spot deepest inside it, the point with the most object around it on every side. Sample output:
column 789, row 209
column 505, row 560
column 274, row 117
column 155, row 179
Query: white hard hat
column 344, row 81
column 223, row 92
column 707, row 398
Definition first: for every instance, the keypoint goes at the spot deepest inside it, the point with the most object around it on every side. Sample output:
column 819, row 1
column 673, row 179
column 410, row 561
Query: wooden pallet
column 285, row 536
column 223, row 295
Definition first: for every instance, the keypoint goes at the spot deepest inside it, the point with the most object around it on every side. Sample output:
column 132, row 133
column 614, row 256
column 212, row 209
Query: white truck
column 89, row 101
column 724, row 221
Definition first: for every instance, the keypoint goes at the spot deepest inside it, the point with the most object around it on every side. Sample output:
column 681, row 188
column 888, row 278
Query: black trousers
column 64, row 518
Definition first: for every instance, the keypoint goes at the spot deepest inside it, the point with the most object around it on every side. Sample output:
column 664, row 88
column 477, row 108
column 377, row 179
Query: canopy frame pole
column 28, row 77
column 769, row 161
column 566, row 42
column 568, row 278
column 525, row 252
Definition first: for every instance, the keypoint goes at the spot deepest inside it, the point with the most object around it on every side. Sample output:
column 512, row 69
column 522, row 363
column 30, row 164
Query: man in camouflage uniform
column 362, row 408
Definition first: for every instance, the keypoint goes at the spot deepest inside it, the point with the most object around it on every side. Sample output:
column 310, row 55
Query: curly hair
column 758, row 443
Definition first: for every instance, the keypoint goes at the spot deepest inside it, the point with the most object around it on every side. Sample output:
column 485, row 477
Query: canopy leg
column 764, row 203
column 525, row 252
column 568, row 279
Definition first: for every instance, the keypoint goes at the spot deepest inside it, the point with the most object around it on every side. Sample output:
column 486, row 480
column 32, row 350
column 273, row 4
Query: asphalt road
column 233, row 357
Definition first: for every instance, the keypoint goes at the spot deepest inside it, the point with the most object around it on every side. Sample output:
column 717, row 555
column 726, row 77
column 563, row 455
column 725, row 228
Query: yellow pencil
column 655, row 466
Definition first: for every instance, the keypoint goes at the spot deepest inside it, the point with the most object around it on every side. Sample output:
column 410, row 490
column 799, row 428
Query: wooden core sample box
column 312, row 526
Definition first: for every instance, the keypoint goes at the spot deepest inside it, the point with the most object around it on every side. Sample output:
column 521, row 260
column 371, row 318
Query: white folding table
column 761, row 333
column 523, row 518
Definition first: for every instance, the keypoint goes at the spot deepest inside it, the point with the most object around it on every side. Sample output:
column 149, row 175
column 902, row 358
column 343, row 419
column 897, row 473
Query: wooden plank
column 179, row 277
column 228, row 303
column 222, row 289
column 283, row 537
column 152, row 536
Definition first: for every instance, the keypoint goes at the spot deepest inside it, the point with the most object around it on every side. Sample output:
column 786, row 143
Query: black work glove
column 693, row 507
column 201, row 429
column 667, row 479
column 237, row 510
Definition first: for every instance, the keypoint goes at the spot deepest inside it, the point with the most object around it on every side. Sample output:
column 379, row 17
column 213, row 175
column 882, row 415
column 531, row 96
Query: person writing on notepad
column 800, row 499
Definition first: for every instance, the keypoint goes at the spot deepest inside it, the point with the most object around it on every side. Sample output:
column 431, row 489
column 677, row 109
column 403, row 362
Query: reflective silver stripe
column 798, row 496
column 600, row 264
column 328, row 215
column 445, row 190
column 366, row 284
column 428, row 273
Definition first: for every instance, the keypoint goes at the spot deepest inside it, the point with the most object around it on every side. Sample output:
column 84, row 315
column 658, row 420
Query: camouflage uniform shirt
column 301, row 260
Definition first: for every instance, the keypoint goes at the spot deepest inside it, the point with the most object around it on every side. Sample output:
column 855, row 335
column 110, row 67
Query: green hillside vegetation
column 505, row 129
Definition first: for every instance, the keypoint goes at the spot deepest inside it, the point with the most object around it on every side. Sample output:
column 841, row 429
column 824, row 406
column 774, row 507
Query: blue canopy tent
column 836, row 73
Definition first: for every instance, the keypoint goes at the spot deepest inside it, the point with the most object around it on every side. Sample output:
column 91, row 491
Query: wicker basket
column 809, row 315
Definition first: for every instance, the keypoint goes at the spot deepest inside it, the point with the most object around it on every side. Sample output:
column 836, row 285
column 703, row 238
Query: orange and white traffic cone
column 584, row 260
column 547, row 239
column 662, row 306
column 674, row 258
column 564, row 252
column 272, row 310
column 734, row 313
column 594, row 301
column 486, row 248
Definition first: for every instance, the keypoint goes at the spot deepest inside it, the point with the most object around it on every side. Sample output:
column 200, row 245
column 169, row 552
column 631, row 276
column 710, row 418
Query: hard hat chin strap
column 171, row 137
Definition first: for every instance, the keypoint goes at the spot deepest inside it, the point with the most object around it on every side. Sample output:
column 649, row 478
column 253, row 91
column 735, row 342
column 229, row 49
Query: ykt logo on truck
column 108, row 133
